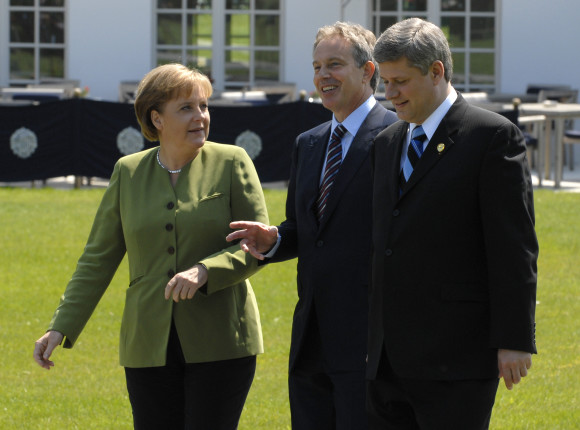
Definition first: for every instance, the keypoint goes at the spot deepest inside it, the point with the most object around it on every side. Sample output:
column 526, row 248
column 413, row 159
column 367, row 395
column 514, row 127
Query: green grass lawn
column 43, row 232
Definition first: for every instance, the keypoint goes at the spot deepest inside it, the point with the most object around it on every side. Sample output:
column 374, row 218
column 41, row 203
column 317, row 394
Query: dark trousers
column 323, row 399
column 395, row 403
column 200, row 396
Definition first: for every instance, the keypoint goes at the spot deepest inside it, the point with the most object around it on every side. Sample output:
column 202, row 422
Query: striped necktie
column 413, row 154
column 333, row 161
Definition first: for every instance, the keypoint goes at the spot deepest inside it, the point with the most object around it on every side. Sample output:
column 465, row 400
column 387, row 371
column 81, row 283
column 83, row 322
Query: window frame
column 434, row 14
column 36, row 45
column 219, row 47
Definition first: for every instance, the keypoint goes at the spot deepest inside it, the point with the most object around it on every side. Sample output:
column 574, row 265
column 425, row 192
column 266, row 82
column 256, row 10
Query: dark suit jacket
column 333, row 258
column 454, row 257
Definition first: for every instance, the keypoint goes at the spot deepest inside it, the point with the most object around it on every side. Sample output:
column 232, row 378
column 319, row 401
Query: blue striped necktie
column 333, row 161
column 413, row 154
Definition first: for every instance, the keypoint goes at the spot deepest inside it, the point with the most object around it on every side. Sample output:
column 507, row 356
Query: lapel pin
column 440, row 148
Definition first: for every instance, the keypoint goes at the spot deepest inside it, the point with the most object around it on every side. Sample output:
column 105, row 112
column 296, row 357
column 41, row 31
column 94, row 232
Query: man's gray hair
column 420, row 41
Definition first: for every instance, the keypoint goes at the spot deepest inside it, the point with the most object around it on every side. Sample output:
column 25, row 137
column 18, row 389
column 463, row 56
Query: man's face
column 413, row 95
column 342, row 85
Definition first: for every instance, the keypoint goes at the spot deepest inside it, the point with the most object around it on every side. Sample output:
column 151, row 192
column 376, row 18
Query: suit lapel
column 313, row 160
column 440, row 144
column 359, row 150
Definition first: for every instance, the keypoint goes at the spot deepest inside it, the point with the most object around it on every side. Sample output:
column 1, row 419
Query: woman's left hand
column 185, row 284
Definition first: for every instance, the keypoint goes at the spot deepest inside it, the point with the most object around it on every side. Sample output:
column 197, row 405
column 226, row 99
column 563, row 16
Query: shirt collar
column 433, row 121
column 353, row 122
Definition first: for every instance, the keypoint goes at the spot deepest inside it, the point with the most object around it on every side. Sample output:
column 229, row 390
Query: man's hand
column 44, row 346
column 256, row 238
column 513, row 366
column 184, row 285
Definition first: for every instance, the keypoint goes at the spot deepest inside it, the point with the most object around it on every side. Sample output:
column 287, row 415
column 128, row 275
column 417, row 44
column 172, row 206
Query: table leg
column 541, row 144
column 559, row 154
column 547, row 149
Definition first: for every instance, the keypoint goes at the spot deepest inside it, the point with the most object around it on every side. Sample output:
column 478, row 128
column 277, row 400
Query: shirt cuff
column 272, row 251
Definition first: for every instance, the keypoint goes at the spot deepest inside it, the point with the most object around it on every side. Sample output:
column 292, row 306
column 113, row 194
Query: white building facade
column 499, row 45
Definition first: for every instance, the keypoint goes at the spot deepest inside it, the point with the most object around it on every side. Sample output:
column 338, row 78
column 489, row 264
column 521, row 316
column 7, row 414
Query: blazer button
column 319, row 243
column 389, row 252
column 396, row 212
column 168, row 227
column 171, row 250
column 170, row 205
column 170, row 273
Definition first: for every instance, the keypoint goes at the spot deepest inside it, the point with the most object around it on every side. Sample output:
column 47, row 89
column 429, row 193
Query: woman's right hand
column 44, row 346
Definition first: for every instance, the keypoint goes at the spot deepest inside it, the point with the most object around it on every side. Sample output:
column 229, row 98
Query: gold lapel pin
column 440, row 147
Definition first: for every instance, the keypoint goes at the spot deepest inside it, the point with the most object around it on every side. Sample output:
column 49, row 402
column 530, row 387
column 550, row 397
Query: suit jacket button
column 171, row 250
column 170, row 205
column 319, row 243
column 389, row 252
column 396, row 212
column 170, row 273
column 168, row 227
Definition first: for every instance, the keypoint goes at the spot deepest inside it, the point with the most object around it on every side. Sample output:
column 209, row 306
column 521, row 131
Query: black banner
column 85, row 137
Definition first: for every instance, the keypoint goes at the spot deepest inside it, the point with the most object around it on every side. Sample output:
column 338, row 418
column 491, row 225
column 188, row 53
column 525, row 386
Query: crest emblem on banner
column 129, row 141
column 251, row 142
column 23, row 142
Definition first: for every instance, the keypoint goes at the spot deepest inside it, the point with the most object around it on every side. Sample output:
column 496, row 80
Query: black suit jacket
column 454, row 257
column 333, row 257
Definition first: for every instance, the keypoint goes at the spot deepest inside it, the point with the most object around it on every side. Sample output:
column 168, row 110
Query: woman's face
column 183, row 120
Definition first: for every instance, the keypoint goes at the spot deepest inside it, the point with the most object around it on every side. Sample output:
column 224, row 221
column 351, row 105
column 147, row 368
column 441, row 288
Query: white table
column 557, row 112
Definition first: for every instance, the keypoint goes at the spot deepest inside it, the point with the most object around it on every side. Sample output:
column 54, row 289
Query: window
column 470, row 27
column 235, row 42
column 37, row 41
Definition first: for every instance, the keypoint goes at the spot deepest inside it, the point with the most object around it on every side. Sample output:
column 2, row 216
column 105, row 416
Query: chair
column 570, row 138
column 532, row 129
column 563, row 96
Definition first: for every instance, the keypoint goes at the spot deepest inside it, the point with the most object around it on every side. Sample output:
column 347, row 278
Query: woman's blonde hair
column 162, row 84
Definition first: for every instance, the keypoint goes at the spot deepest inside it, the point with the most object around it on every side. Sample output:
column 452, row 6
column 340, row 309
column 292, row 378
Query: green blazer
column 165, row 230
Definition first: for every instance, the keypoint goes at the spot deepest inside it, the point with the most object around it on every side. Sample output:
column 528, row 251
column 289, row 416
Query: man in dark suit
column 329, row 229
column 454, row 248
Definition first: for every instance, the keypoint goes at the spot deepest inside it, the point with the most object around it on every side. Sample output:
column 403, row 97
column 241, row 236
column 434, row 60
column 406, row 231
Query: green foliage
column 43, row 232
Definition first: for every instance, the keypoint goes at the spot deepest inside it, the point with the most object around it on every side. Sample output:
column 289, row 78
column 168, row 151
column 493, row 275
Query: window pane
column 200, row 59
column 386, row 22
column 199, row 4
column 169, row 4
column 387, row 5
column 454, row 29
column 482, row 68
column 237, row 66
column 165, row 56
column 169, row 29
column 51, row 63
column 238, row 4
column 267, row 66
column 267, row 32
column 52, row 3
column 482, row 5
column 199, row 29
column 414, row 5
column 52, row 27
column 21, row 2
column 482, row 32
column 22, row 27
column 452, row 5
column 237, row 30
column 21, row 63
column 458, row 67
column 268, row 4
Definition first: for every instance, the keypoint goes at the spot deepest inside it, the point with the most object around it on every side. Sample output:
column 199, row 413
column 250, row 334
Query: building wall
column 536, row 38
column 109, row 41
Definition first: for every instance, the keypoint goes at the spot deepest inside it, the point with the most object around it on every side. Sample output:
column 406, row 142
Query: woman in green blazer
column 191, row 328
